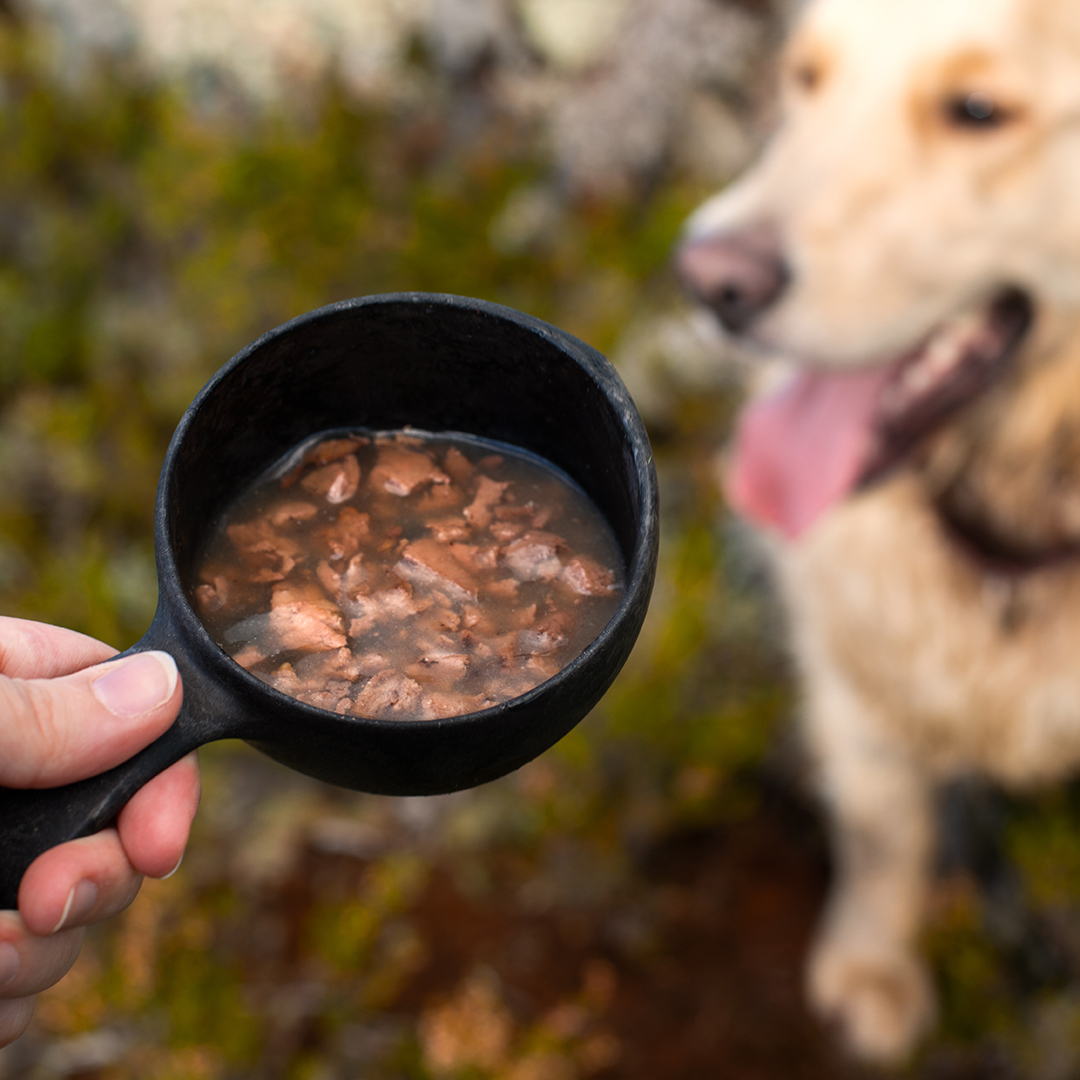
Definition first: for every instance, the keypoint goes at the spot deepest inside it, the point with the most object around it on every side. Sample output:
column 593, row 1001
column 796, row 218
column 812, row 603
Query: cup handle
column 32, row 820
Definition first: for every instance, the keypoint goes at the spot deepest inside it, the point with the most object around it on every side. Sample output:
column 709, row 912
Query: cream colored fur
column 916, row 663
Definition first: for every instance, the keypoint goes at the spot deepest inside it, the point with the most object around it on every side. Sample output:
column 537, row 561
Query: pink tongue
column 801, row 449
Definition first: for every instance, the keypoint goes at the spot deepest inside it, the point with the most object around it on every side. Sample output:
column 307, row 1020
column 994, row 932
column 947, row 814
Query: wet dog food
column 406, row 576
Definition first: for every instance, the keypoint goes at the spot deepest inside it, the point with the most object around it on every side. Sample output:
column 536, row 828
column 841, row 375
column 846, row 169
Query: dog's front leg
column 864, row 971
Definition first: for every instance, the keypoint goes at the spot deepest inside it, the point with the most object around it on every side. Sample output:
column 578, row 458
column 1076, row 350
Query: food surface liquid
column 408, row 576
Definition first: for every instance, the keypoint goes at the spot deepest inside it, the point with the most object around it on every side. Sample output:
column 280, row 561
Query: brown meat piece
column 303, row 619
column 319, row 669
column 269, row 555
column 459, row 467
column 322, row 454
column 333, row 449
column 329, row 579
column 442, row 670
column 354, row 578
column 488, row 493
column 337, row 482
column 440, row 499
column 505, row 531
column 447, row 530
column 549, row 634
column 388, row 695
column 587, row 577
column 284, row 679
column 514, row 512
column 440, row 705
column 294, row 512
column 335, row 698
column 387, row 605
column 400, row 471
column 440, row 619
column 343, row 537
column 249, row 656
column 227, row 589
column 535, row 556
column 476, row 557
column 212, row 595
column 429, row 564
column 542, row 667
column 523, row 618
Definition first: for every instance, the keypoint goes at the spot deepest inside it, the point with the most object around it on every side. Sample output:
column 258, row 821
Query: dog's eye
column 976, row 110
column 806, row 76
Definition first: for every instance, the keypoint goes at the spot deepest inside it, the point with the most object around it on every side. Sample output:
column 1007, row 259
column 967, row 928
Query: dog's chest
column 967, row 670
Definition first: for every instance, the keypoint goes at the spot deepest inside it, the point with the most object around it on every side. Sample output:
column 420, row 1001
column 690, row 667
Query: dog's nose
column 737, row 273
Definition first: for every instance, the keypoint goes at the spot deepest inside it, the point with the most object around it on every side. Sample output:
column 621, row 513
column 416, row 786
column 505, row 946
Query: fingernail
column 9, row 963
column 80, row 903
column 137, row 684
column 174, row 869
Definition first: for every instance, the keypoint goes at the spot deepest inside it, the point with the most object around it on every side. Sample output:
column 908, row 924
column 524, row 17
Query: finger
column 155, row 824
column 54, row 731
column 30, row 964
column 77, row 883
column 14, row 1018
column 34, row 650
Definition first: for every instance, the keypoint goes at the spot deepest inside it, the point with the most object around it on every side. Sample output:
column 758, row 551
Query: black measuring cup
column 438, row 363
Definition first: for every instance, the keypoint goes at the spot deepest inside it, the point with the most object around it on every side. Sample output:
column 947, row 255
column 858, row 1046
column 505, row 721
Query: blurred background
column 178, row 176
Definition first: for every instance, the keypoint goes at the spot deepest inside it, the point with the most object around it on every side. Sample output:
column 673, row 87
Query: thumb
column 55, row 731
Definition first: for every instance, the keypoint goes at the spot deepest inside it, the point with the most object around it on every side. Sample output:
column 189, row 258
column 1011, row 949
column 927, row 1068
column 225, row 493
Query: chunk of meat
column 549, row 634
column 337, row 482
column 488, row 493
column 249, row 656
column 542, row 667
column 302, row 618
column 322, row 454
column 523, row 618
column 354, row 579
column 291, row 513
column 459, row 467
column 441, row 618
column 329, row 579
column 332, row 449
column 388, row 695
column 442, row 670
column 212, row 595
column 318, row 669
column 535, row 556
column 385, row 606
column 430, row 565
column 284, row 679
column 343, row 537
column 476, row 556
column 440, row 705
column 505, row 531
column 587, row 577
column 400, row 471
column 270, row 555
column 447, row 530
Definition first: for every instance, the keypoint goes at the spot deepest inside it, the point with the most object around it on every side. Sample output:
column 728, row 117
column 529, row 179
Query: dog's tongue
column 803, row 447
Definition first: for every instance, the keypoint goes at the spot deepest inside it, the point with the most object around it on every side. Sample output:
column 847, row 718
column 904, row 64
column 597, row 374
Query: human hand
column 62, row 721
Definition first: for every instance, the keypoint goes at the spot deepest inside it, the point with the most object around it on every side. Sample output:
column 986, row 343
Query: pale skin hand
column 66, row 713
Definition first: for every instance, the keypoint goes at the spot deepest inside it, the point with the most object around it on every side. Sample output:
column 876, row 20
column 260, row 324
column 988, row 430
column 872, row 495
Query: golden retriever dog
column 910, row 245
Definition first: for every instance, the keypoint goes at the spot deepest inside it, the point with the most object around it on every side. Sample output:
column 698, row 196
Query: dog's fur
column 926, row 650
